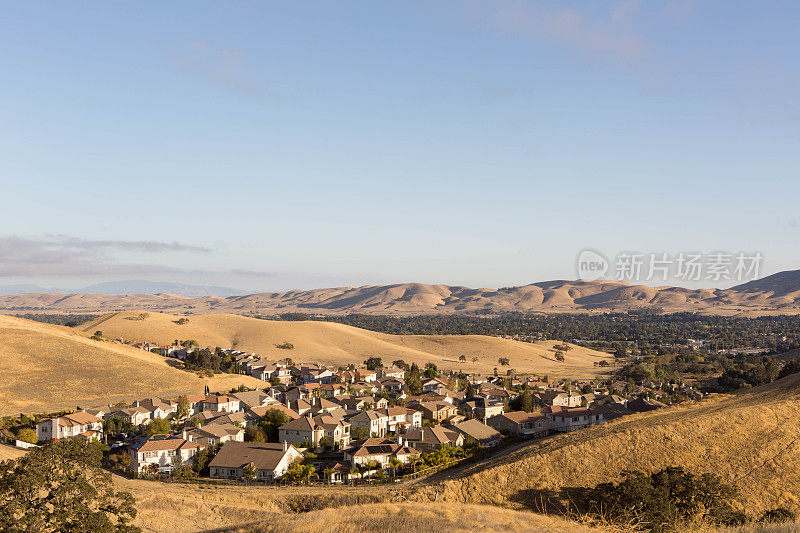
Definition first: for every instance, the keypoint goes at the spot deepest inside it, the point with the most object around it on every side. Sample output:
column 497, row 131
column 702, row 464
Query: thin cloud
column 253, row 273
column 61, row 255
column 220, row 66
column 608, row 34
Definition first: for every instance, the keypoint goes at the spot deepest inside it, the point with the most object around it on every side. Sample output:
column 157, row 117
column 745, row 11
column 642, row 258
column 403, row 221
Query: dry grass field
column 46, row 367
column 751, row 439
column 176, row 507
column 338, row 344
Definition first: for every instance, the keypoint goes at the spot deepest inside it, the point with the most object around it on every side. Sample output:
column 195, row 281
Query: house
column 498, row 395
column 367, row 376
column 642, row 405
column 269, row 460
column 565, row 419
column 195, row 402
column 481, row 408
column 220, row 403
column 432, row 438
column 392, row 385
column 158, row 408
column 323, row 406
column 484, row 435
column 296, row 393
column 164, row 451
column 238, row 418
column 253, row 398
column 436, row 411
column 271, row 373
column 392, row 372
column 558, row 399
column 332, row 390
column 316, row 375
column 70, row 425
column 376, row 422
column 379, row 450
column 299, row 406
column 254, row 416
column 135, row 415
column 312, row 430
column 521, row 424
column 401, row 419
column 336, row 431
column 434, row 385
column 214, row 433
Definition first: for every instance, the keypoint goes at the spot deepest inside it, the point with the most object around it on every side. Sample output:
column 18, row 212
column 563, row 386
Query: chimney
column 400, row 440
column 285, row 445
column 184, row 434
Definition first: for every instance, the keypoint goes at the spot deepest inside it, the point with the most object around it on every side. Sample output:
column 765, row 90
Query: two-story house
column 70, row 425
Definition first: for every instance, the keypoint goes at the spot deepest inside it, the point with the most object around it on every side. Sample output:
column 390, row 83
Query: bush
column 661, row 501
column 778, row 515
column 285, row 346
column 27, row 435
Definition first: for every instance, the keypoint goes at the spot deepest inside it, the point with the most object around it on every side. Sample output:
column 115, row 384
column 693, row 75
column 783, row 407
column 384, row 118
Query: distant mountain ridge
column 776, row 294
column 129, row 287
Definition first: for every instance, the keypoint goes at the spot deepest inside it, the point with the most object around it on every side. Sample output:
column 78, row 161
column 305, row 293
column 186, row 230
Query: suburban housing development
column 347, row 423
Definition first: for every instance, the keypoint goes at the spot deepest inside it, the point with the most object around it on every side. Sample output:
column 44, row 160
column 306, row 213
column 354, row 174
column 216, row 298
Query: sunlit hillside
column 45, row 367
column 339, row 344
column 750, row 439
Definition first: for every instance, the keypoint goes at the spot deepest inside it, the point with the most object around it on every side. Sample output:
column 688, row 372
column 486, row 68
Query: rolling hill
column 750, row 439
column 776, row 294
column 46, row 367
column 339, row 344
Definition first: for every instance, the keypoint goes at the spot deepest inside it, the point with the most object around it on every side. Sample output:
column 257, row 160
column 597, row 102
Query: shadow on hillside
column 566, row 501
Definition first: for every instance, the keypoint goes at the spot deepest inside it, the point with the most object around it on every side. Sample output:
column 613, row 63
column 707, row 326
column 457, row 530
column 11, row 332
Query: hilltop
column 339, row 344
column 46, row 367
column 776, row 294
column 749, row 438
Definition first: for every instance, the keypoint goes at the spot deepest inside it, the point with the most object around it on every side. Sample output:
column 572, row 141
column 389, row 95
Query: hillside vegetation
column 338, row 344
column 46, row 367
column 750, row 439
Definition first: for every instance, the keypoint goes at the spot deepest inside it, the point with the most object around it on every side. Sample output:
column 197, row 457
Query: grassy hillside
column 331, row 343
column 46, row 367
column 177, row 507
column 750, row 439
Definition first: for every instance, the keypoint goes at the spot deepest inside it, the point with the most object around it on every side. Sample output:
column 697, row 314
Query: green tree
column 271, row 421
column 431, row 371
column 254, row 434
column 60, row 487
column 158, row 426
column 250, row 471
column 526, row 401
column 373, row 363
column 395, row 463
column 299, row 473
column 27, row 434
column 183, row 407
column 359, row 433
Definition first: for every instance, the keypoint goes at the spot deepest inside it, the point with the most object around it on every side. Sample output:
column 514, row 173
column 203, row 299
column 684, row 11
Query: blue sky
column 268, row 146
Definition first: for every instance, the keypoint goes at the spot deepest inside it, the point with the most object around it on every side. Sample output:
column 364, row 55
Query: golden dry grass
column 46, row 368
column 176, row 507
column 9, row 452
column 751, row 439
column 338, row 344
column 418, row 517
